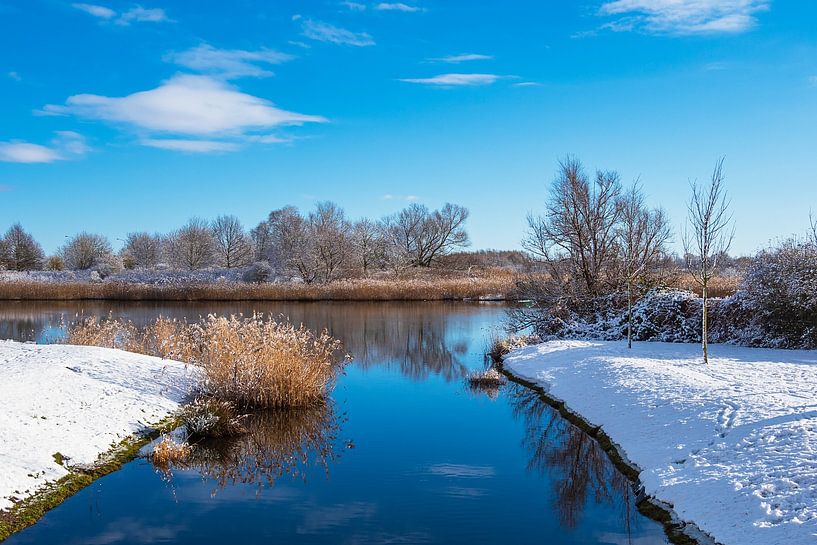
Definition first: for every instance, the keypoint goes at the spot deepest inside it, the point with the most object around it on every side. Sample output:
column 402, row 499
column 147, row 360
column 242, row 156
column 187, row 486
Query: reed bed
column 253, row 362
column 168, row 452
column 493, row 285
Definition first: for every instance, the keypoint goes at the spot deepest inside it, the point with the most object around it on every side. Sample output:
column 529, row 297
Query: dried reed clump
column 206, row 417
column 168, row 452
column 249, row 361
column 489, row 377
column 499, row 347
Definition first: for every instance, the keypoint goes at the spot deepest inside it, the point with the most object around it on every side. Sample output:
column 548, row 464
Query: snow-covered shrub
column 667, row 315
column 776, row 305
column 258, row 272
column 662, row 314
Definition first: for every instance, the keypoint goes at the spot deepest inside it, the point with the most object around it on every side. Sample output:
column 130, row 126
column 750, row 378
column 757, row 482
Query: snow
column 78, row 401
column 732, row 446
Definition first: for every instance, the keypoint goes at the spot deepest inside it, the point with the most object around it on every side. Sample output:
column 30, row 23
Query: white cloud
column 139, row 14
column 527, row 84
column 191, row 113
column 65, row 145
column 397, row 6
column 455, row 59
column 324, row 32
column 192, row 146
column 184, row 104
column 228, row 63
column 97, row 11
column 136, row 14
column 408, row 198
column 354, row 6
column 683, row 17
column 451, row 80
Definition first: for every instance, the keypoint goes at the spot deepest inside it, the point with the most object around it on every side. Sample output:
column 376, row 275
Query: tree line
column 603, row 249
column 321, row 245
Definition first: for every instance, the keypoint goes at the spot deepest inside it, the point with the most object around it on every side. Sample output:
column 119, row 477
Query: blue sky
column 119, row 116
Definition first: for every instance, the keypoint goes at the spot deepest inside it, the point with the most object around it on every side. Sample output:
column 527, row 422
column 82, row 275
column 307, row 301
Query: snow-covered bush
column 258, row 272
column 662, row 314
column 776, row 305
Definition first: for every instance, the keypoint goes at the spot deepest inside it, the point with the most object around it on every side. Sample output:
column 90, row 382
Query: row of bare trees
column 598, row 240
column 319, row 246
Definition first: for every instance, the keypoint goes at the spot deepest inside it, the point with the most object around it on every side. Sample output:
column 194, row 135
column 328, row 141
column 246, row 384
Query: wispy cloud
column 136, row 14
column 65, row 145
column 97, row 11
column 465, row 57
column 397, row 6
column 14, row 75
column 353, row 6
column 324, row 32
column 229, row 63
column 683, row 17
column 191, row 146
column 457, row 80
column 184, row 109
column 408, row 198
column 527, row 84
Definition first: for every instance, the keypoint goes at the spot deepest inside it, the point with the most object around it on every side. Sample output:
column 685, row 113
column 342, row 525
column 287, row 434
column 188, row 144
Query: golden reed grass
column 168, row 452
column 492, row 284
column 250, row 361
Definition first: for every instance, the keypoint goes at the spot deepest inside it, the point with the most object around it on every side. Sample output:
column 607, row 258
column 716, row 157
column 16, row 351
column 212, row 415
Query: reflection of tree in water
column 418, row 339
column 277, row 443
column 579, row 469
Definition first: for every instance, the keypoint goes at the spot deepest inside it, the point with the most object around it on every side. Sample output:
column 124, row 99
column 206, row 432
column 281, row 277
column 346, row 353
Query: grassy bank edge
column 29, row 510
column 678, row 531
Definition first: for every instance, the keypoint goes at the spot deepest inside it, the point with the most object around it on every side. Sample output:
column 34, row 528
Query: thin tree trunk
column 704, row 326
column 629, row 314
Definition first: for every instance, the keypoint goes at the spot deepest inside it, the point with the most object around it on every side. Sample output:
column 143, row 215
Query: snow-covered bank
column 732, row 446
column 78, row 401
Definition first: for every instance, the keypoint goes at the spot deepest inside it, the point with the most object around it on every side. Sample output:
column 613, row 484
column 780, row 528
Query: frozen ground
column 732, row 446
column 78, row 401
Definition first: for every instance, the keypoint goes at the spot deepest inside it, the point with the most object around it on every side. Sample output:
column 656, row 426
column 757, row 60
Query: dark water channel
column 405, row 453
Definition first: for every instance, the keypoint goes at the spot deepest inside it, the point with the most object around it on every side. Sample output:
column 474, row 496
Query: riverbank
column 495, row 287
column 70, row 413
column 729, row 447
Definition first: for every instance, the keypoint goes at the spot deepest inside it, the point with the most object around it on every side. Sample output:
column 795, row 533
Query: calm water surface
column 404, row 453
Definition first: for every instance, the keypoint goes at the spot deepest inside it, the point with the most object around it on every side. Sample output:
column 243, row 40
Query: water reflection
column 579, row 469
column 417, row 339
column 275, row 444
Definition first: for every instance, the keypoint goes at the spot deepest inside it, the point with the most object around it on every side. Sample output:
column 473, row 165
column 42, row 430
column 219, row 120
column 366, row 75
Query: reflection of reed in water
column 275, row 443
column 579, row 468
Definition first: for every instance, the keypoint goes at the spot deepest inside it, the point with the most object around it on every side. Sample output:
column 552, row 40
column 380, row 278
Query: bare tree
column 23, row 253
column 642, row 235
column 142, row 250
column 261, row 236
column 812, row 221
column 329, row 232
column 86, row 250
column 291, row 246
column 192, row 246
column 576, row 236
column 368, row 245
column 233, row 247
column 707, row 237
column 421, row 236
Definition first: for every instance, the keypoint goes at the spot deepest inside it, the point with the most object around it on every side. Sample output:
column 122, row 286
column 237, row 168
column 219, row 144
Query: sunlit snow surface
column 732, row 445
column 78, row 401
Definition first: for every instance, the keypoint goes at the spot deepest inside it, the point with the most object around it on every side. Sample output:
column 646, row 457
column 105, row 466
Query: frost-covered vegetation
column 252, row 362
column 610, row 275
